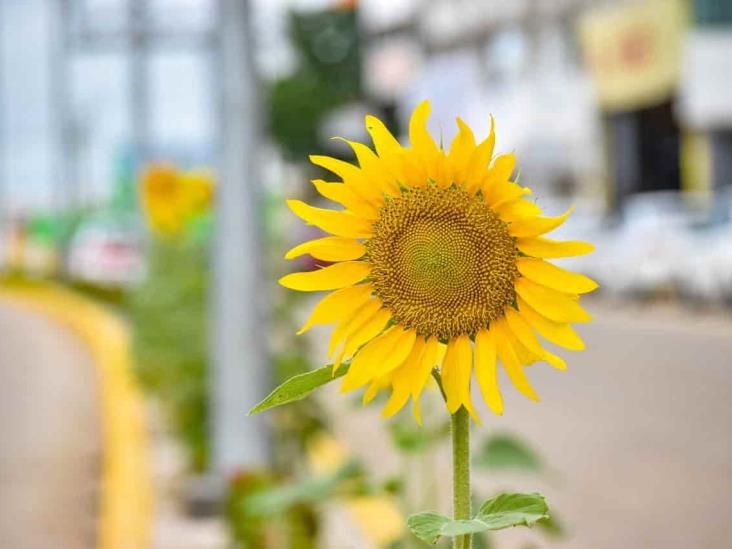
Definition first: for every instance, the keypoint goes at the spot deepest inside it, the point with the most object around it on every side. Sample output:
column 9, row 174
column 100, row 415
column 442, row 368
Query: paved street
column 49, row 432
column 638, row 433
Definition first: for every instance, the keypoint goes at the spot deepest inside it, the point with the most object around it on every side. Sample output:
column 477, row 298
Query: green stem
column 461, row 473
column 461, row 502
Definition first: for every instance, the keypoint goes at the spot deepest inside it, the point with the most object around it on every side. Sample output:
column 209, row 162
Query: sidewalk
column 50, row 458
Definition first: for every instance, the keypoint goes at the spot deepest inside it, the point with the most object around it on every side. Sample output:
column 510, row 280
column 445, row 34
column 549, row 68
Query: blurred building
column 518, row 61
column 595, row 96
column 705, row 96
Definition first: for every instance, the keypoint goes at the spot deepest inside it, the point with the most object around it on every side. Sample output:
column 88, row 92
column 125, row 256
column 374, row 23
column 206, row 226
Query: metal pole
column 3, row 190
column 237, row 334
column 66, row 190
column 139, row 77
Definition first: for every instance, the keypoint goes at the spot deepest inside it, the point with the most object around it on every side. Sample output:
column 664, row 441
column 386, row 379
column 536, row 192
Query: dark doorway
column 643, row 151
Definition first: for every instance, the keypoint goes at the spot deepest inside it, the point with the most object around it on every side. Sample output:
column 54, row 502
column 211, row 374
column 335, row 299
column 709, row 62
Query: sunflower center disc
column 442, row 262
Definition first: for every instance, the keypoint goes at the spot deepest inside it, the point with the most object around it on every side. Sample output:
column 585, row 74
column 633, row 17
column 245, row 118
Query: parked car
column 107, row 252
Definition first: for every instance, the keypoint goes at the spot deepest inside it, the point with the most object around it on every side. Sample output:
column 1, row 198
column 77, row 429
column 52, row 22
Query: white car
column 106, row 252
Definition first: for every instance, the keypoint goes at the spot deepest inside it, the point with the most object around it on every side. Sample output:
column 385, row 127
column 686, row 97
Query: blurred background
column 146, row 151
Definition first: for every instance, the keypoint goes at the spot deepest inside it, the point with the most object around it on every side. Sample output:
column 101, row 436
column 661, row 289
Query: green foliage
column 298, row 387
column 410, row 438
column 328, row 45
column 502, row 511
column 247, row 532
column 503, row 452
column 298, row 104
column 168, row 318
column 328, row 76
column 279, row 499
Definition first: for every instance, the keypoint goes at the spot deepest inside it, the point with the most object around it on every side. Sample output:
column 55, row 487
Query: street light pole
column 237, row 334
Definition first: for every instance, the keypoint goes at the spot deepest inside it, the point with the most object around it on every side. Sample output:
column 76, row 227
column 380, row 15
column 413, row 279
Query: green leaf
column 430, row 526
column 511, row 509
column 502, row 511
column 504, row 452
column 298, row 387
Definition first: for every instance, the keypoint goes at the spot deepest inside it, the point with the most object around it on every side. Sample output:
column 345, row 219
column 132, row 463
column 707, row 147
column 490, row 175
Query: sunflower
column 172, row 198
column 438, row 263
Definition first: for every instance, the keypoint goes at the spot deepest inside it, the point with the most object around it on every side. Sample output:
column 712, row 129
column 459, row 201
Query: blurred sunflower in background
column 172, row 198
column 439, row 261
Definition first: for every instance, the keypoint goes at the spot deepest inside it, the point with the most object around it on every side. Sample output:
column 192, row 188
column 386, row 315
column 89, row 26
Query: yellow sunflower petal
column 556, row 361
column 417, row 411
column 345, row 170
column 376, row 173
column 419, row 137
column 431, row 357
column 554, row 305
column 343, row 223
column 414, row 172
column 558, row 333
column 402, row 348
column 461, row 149
column 364, row 155
column 353, row 322
column 404, row 378
column 486, row 372
column 510, row 361
column 384, row 141
column 522, row 331
column 393, row 166
column 501, row 170
column 329, row 248
column 524, row 355
column 518, row 209
column 554, row 277
column 346, row 196
column 429, row 159
column 479, row 162
column 525, row 335
column 337, row 305
column 363, row 334
column 456, row 370
column 379, row 357
column 503, row 193
column 332, row 277
column 375, row 387
column 547, row 248
column 535, row 226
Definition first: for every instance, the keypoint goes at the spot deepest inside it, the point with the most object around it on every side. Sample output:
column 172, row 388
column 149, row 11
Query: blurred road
column 637, row 434
column 50, row 454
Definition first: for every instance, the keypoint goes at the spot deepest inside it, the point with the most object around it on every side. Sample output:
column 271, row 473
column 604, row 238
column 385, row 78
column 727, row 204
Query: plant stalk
column 460, row 422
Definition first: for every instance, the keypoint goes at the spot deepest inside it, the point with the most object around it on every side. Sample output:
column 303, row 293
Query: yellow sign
column 633, row 51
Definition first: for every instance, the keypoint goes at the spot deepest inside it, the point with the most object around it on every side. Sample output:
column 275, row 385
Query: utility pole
column 3, row 189
column 66, row 192
column 139, row 77
column 238, row 334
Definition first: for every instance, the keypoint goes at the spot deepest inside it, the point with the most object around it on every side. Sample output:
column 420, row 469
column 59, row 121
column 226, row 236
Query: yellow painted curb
column 125, row 520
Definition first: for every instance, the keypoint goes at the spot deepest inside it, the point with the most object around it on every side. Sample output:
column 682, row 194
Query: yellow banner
column 633, row 51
